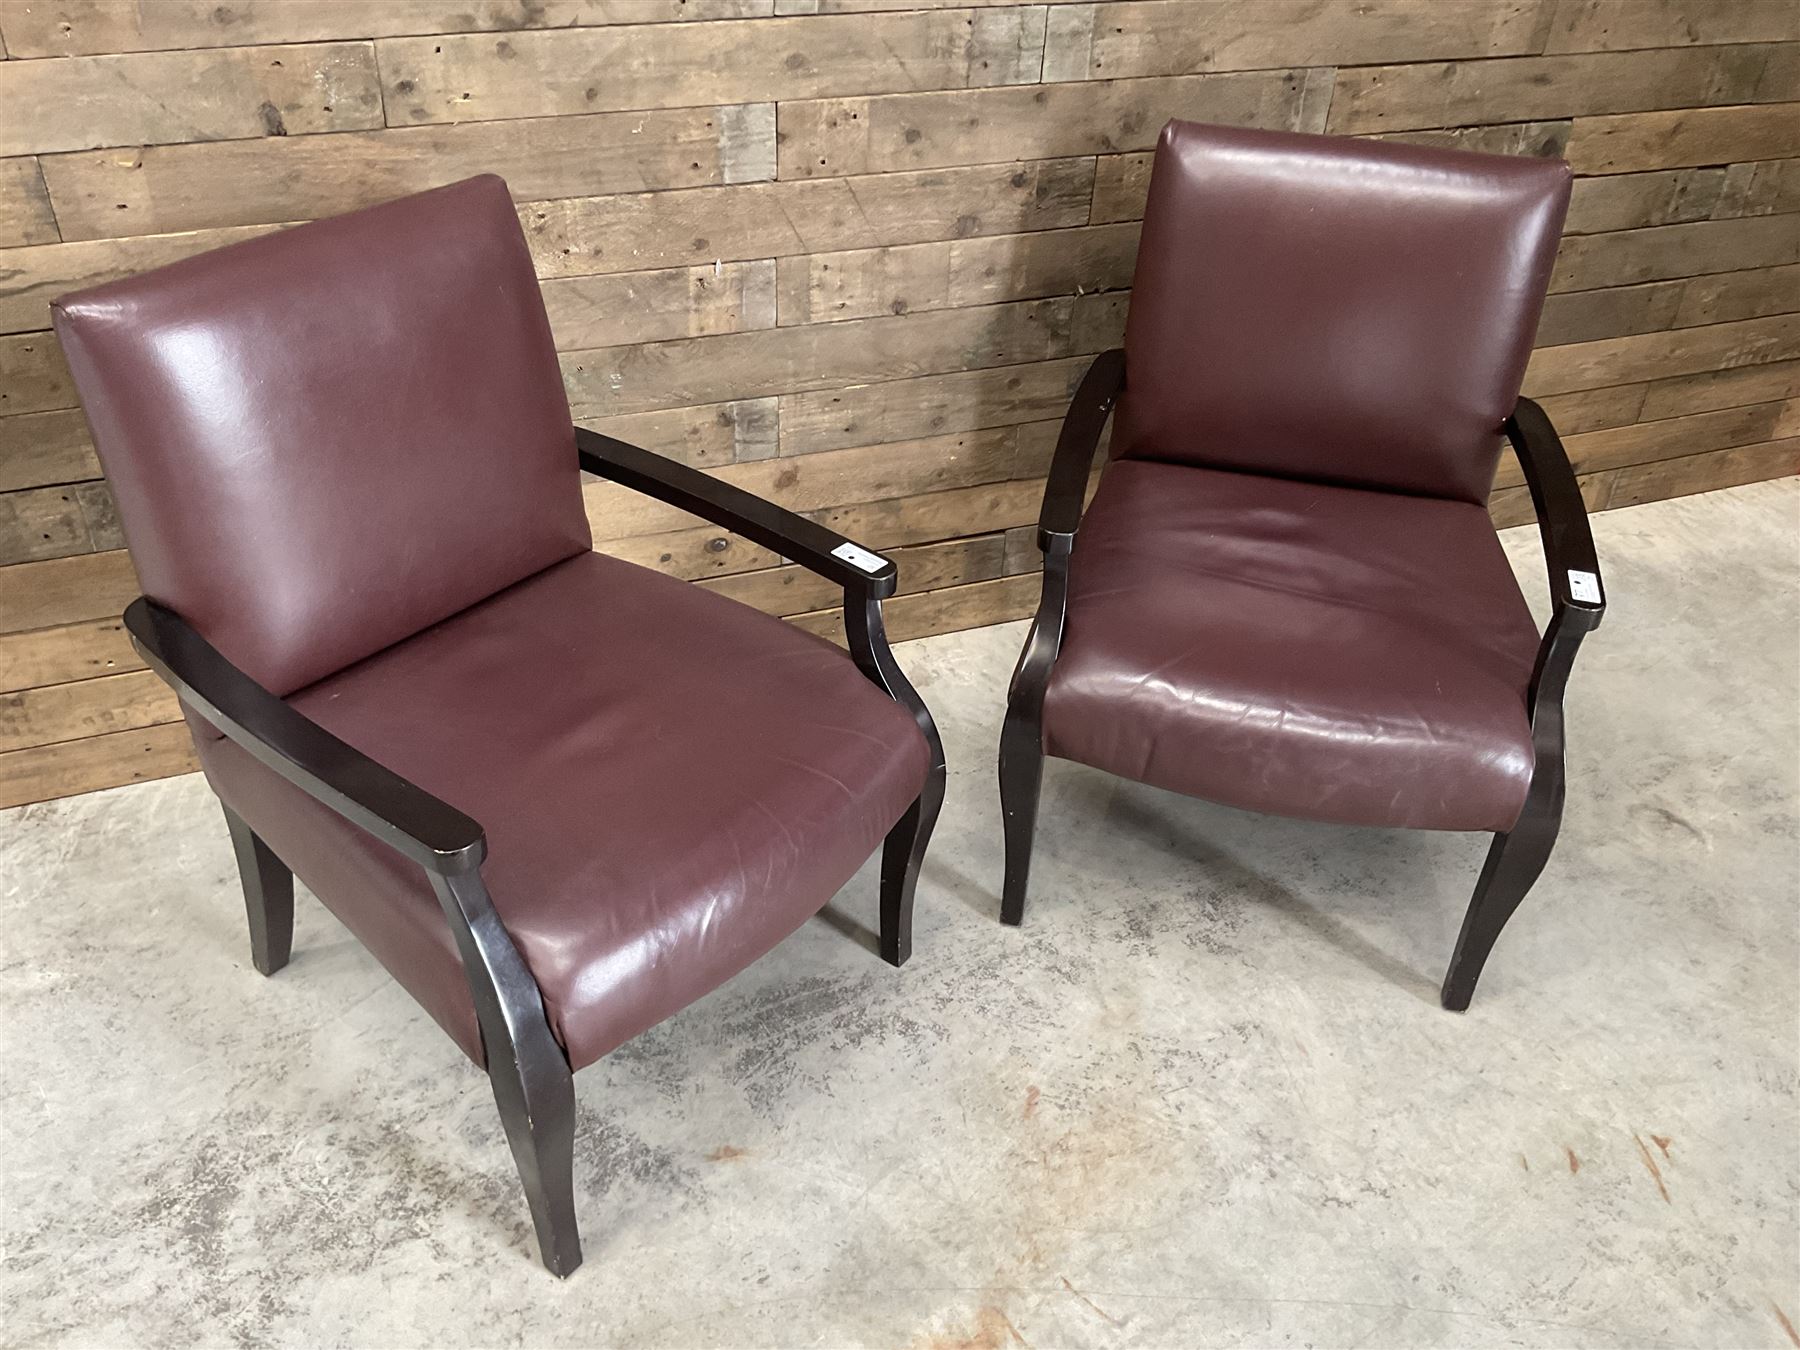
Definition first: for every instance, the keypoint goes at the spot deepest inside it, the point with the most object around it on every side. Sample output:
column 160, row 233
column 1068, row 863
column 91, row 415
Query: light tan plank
column 1628, row 257
column 33, row 277
column 604, row 311
column 956, row 607
column 1630, row 201
column 774, row 220
column 1704, row 473
column 65, row 590
column 1721, row 389
column 1473, row 93
column 1740, row 295
column 1180, row 37
column 72, row 712
column 92, row 27
column 550, row 74
column 1595, row 409
column 1613, row 25
column 1760, row 187
column 77, row 651
column 1671, row 438
column 1543, row 140
column 843, row 477
column 1121, row 183
column 620, row 380
column 828, row 137
column 161, row 189
column 1633, row 142
column 705, row 435
column 87, row 102
column 55, row 522
column 25, row 215
column 33, row 375
column 41, row 449
column 862, row 283
column 794, row 590
column 46, row 772
column 899, row 410
column 1650, row 356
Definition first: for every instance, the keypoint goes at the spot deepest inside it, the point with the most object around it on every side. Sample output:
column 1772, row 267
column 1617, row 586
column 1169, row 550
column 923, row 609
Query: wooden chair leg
column 268, row 896
column 533, row 1086
column 901, row 855
column 1021, row 780
column 1514, row 862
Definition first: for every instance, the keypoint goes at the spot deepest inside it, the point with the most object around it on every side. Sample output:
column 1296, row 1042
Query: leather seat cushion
column 1295, row 648
column 671, row 782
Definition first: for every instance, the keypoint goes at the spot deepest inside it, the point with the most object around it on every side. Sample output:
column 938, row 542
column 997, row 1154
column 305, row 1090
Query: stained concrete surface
column 1204, row 1097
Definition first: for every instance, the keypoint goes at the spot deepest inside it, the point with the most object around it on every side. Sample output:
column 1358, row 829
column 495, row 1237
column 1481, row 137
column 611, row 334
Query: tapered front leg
column 268, row 896
column 1021, row 782
column 901, row 856
column 529, row 1071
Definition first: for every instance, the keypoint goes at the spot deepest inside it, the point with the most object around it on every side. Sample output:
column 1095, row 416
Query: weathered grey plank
column 86, row 102
column 575, row 70
column 41, row 449
column 25, row 215
column 1663, row 251
column 90, row 27
column 1613, row 25
column 673, row 302
column 160, row 189
column 1710, row 389
column 1654, row 356
column 828, row 137
column 705, row 435
column 774, row 220
column 1631, row 201
column 33, row 375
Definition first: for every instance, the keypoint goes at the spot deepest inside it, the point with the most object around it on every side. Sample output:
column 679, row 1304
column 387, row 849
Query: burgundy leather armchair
column 1287, row 595
column 559, row 796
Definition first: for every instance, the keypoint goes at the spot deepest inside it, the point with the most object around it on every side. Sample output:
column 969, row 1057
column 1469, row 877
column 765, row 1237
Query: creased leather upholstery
column 1344, row 310
column 1297, row 648
column 299, row 472
column 671, row 783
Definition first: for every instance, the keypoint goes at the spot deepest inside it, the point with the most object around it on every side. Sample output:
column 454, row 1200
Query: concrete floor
column 1205, row 1097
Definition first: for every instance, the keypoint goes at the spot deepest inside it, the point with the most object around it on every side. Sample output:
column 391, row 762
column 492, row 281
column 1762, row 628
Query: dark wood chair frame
column 1517, row 857
column 532, row 1082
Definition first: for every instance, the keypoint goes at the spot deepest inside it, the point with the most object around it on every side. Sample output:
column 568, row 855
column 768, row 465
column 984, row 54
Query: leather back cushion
column 324, row 440
column 1332, row 309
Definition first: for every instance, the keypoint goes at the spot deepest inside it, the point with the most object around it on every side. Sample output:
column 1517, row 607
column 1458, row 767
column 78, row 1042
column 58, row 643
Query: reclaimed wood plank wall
column 854, row 254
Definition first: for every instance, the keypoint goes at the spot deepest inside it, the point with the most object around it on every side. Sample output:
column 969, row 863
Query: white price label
column 859, row 557
column 1585, row 587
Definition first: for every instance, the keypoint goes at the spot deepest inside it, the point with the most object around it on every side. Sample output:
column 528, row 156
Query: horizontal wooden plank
column 86, row 102
column 1585, row 316
column 1179, row 37
column 56, row 522
column 93, row 27
column 1630, row 201
column 1721, row 389
column 1649, row 356
column 25, row 215
column 33, row 277
column 44, row 772
column 794, row 590
column 703, row 435
column 828, row 137
column 1545, row 140
column 862, row 283
column 1594, row 409
column 1631, row 256
column 843, row 477
column 1740, row 295
column 1672, row 438
column 1702, row 473
column 1612, row 25
column 71, row 712
column 33, row 375
column 65, row 590
column 1760, row 187
column 827, row 356
column 41, row 449
column 161, row 189
column 774, row 220
column 623, row 307
column 1544, row 88
column 76, row 651
column 576, row 70
column 899, row 410
column 945, row 611
column 1631, row 142
column 987, row 509
column 1121, row 183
